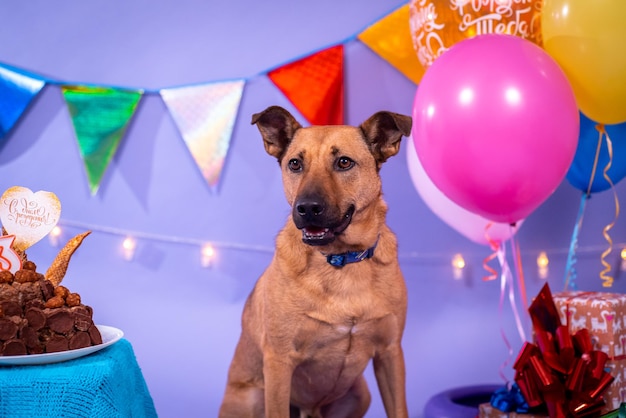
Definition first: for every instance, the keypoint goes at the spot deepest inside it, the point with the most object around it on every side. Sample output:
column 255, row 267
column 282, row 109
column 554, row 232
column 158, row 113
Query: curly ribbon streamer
column 570, row 270
column 521, row 282
column 500, row 253
column 607, row 279
column 517, row 258
column 506, row 282
column 494, row 247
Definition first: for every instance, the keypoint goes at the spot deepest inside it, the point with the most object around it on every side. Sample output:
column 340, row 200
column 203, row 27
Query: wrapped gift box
column 604, row 316
column 485, row 410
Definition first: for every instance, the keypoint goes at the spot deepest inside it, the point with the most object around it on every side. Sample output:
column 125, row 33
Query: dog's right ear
column 277, row 127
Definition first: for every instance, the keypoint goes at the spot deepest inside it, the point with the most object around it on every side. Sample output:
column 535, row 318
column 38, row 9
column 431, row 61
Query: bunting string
column 205, row 113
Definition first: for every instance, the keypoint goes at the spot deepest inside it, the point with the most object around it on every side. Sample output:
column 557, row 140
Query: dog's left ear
column 383, row 132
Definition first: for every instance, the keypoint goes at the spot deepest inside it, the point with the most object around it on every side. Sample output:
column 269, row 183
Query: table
column 107, row 384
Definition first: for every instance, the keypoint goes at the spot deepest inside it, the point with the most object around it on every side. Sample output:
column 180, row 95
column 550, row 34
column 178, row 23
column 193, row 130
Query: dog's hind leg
column 353, row 404
column 243, row 402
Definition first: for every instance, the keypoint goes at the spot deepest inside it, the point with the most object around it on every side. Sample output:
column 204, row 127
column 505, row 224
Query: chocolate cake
column 38, row 315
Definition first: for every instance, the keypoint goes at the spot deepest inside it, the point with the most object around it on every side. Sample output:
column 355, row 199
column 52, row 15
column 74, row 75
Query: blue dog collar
column 340, row 260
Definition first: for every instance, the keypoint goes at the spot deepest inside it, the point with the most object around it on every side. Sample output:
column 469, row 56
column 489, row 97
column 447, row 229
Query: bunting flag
column 205, row 113
column 100, row 116
column 390, row 38
column 205, row 116
column 314, row 85
column 16, row 92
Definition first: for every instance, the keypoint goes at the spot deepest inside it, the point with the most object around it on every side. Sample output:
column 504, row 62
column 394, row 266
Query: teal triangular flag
column 16, row 92
column 100, row 116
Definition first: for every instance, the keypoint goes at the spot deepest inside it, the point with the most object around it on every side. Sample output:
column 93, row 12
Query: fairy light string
column 410, row 257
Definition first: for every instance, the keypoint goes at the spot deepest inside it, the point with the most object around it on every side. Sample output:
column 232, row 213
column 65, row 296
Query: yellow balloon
column 588, row 40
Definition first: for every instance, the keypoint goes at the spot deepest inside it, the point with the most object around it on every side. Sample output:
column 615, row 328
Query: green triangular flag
column 100, row 116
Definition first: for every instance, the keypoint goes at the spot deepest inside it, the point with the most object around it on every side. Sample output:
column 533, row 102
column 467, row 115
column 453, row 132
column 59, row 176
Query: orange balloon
column 436, row 25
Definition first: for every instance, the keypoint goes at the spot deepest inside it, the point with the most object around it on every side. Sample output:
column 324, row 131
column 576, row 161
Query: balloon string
column 494, row 247
column 518, row 267
column 521, row 280
column 607, row 279
column 600, row 129
column 570, row 270
column 500, row 254
column 507, row 275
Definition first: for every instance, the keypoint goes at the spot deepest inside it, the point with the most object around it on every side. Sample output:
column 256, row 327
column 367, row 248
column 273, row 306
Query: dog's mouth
column 316, row 235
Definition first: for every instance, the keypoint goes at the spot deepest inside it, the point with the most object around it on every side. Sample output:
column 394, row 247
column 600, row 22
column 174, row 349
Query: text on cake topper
column 27, row 215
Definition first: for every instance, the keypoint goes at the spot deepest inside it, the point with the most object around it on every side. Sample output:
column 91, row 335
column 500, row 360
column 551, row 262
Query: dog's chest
column 346, row 334
column 332, row 355
column 355, row 314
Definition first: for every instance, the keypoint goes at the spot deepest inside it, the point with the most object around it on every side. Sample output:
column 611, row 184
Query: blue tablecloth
column 106, row 384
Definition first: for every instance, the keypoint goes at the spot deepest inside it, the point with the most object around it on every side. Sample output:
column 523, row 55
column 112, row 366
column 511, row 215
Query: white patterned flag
column 205, row 115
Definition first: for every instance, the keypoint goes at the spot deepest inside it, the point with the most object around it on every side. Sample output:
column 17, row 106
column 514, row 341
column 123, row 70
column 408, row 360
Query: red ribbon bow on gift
column 560, row 372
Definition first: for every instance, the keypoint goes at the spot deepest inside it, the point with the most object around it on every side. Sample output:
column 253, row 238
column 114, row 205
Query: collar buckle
column 337, row 260
column 340, row 260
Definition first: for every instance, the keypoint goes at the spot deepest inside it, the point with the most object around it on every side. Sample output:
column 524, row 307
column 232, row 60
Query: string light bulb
column 129, row 246
column 542, row 265
column 208, row 252
column 458, row 266
column 54, row 236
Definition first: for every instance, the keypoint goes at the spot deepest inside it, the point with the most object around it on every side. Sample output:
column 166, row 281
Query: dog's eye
column 295, row 164
column 344, row 163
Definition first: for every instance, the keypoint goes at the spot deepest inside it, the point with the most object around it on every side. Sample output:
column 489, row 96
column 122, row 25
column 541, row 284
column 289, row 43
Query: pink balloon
column 472, row 226
column 495, row 125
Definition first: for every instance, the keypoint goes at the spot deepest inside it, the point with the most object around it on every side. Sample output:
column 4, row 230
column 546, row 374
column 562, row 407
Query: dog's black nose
column 309, row 208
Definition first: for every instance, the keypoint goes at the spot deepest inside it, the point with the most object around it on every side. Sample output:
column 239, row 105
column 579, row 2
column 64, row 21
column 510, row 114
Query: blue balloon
column 579, row 172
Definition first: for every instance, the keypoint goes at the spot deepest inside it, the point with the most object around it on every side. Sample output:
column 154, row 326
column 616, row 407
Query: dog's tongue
column 312, row 232
column 317, row 236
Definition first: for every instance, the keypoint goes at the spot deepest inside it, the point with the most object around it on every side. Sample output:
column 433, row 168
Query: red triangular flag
column 314, row 84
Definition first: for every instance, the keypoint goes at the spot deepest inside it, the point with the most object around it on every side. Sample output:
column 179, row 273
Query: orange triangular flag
column 390, row 38
column 314, row 84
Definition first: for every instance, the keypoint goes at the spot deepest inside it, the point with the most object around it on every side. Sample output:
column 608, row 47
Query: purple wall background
column 183, row 319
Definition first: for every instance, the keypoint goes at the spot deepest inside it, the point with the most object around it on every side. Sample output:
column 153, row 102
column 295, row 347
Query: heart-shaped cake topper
column 27, row 215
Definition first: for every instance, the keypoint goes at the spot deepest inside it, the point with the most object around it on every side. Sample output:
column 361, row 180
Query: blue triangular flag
column 16, row 92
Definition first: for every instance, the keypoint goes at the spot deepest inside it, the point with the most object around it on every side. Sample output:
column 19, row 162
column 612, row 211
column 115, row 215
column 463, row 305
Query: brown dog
column 333, row 296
